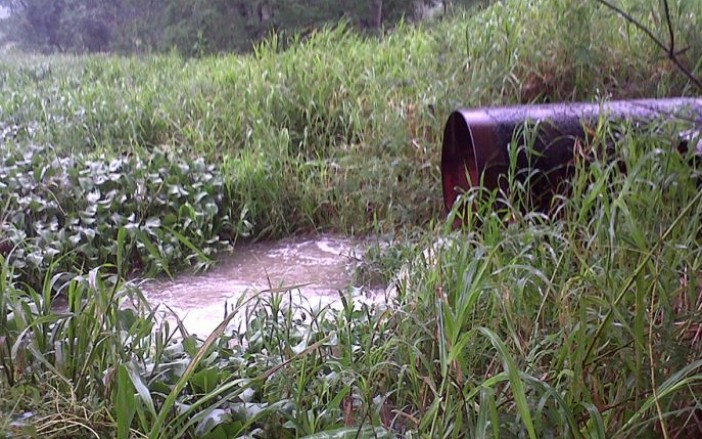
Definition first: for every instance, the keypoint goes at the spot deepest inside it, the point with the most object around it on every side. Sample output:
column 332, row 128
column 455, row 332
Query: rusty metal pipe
column 476, row 142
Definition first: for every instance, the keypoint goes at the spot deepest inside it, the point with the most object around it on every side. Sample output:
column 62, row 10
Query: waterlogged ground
column 312, row 271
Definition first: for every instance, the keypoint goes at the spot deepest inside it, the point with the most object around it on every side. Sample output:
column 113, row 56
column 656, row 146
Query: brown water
column 315, row 269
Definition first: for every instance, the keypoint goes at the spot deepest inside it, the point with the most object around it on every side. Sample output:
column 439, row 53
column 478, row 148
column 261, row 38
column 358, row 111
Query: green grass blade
column 125, row 403
column 514, row 380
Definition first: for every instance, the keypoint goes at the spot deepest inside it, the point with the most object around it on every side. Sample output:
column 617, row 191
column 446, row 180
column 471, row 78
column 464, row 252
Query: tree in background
column 193, row 27
column 36, row 23
column 60, row 25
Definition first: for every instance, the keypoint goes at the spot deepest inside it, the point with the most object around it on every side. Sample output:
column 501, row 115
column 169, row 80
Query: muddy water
column 315, row 269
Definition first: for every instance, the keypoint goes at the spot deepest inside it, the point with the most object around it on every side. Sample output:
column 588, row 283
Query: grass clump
column 336, row 132
column 69, row 211
column 585, row 323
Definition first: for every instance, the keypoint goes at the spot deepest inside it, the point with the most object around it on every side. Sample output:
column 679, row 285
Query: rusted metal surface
column 477, row 142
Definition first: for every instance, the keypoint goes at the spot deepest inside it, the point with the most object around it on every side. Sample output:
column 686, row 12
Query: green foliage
column 333, row 133
column 68, row 212
column 581, row 324
column 193, row 28
column 58, row 26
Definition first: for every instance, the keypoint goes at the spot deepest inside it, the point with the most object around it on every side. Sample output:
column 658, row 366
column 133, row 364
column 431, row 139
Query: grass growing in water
column 585, row 325
column 582, row 326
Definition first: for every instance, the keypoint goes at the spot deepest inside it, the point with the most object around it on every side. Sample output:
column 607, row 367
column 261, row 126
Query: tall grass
column 345, row 128
column 585, row 323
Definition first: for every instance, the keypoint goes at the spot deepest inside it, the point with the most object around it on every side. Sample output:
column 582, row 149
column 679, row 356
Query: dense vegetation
column 193, row 27
column 585, row 324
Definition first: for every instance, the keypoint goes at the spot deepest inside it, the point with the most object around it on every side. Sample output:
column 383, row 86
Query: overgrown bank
column 579, row 327
column 336, row 133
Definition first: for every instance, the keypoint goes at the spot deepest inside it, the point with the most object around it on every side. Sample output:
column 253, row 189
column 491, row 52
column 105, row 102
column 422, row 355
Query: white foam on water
column 316, row 268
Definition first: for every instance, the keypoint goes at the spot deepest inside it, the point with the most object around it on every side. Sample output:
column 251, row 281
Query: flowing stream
column 315, row 269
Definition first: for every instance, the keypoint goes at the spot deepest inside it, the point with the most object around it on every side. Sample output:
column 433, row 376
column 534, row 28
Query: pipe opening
column 476, row 146
column 459, row 166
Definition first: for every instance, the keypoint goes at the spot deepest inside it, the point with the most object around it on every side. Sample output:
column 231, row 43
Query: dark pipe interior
column 458, row 162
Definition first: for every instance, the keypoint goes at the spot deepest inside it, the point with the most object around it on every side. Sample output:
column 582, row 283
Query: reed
column 582, row 324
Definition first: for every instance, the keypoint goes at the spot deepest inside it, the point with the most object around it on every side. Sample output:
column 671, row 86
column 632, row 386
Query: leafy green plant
column 577, row 324
column 70, row 210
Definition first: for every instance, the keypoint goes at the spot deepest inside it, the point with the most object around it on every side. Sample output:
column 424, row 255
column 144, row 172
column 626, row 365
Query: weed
column 584, row 323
